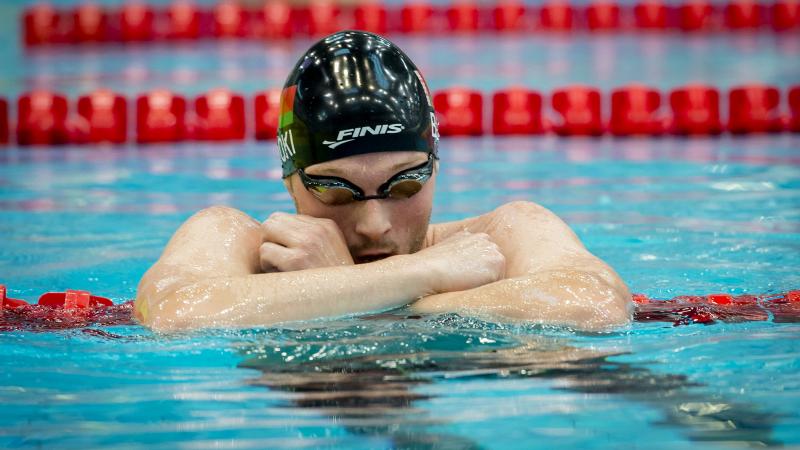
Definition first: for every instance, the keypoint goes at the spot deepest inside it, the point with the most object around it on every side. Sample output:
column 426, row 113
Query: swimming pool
column 673, row 216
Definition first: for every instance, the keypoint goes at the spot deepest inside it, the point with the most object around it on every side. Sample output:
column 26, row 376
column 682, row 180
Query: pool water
column 673, row 216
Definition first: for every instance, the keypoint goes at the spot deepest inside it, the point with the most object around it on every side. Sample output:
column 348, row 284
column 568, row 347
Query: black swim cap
column 352, row 93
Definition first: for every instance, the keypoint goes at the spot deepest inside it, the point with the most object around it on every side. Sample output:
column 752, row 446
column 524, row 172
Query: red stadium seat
column 416, row 18
column 183, row 20
column 3, row 121
column 695, row 110
column 220, row 116
column 160, row 117
column 90, row 24
column 742, row 14
column 651, row 15
column 41, row 25
column 275, row 20
column 603, row 16
column 557, row 16
column 136, row 21
column 460, row 112
column 268, row 109
column 463, row 16
column 323, row 17
column 754, row 109
column 794, row 109
column 371, row 16
column 42, row 119
column 696, row 15
column 106, row 116
column 634, row 111
column 785, row 15
column 230, row 19
column 517, row 111
column 509, row 15
column 579, row 108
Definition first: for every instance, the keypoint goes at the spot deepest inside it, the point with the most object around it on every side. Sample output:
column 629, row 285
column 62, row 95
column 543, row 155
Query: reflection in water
column 374, row 383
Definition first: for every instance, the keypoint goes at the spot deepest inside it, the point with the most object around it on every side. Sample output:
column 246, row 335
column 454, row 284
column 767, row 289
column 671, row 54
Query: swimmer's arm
column 550, row 276
column 208, row 276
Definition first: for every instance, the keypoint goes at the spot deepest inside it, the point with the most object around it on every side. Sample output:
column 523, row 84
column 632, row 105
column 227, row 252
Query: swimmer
column 357, row 139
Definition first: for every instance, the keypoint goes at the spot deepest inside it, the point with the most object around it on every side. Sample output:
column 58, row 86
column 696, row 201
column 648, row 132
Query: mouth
column 371, row 257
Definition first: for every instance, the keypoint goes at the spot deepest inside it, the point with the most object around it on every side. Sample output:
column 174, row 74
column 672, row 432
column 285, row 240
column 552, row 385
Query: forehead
column 380, row 163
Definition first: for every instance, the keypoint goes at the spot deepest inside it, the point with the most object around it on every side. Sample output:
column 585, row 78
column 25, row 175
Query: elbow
column 614, row 316
column 594, row 301
column 161, row 315
column 609, row 309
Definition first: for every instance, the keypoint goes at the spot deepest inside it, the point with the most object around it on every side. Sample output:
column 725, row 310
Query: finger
column 328, row 226
column 286, row 231
column 273, row 256
column 266, row 255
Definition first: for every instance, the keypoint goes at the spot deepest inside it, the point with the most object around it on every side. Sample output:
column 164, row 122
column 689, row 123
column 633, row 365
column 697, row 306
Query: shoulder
column 220, row 215
column 527, row 216
column 215, row 222
column 213, row 242
column 512, row 217
column 214, row 236
column 524, row 209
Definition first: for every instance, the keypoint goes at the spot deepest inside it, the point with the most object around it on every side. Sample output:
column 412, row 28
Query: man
column 358, row 145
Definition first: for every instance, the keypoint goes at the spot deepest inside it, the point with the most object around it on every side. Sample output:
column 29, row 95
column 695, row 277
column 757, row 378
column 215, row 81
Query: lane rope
column 75, row 309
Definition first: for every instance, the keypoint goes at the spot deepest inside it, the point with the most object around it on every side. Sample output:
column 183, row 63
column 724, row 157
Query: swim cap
column 352, row 93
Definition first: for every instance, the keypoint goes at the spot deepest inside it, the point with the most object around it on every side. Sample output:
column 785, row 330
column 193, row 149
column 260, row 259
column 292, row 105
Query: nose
column 373, row 220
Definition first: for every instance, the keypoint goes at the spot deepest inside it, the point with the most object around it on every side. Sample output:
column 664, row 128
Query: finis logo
column 354, row 133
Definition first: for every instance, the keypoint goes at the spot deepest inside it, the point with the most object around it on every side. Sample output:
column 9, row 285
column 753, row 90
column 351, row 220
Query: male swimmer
column 358, row 142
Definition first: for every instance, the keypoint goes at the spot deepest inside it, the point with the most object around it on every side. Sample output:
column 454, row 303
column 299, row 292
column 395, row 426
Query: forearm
column 580, row 299
column 263, row 299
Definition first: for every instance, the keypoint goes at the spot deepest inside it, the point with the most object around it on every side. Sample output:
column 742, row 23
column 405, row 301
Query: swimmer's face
column 374, row 229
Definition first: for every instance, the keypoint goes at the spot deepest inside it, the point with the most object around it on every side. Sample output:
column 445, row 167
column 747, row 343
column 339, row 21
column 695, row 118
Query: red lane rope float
column 3, row 121
column 137, row 22
column 49, row 118
column 80, row 309
column 62, row 310
column 684, row 310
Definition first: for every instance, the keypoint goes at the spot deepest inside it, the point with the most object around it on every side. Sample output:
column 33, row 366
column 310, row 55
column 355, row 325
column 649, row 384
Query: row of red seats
column 43, row 117
column 136, row 21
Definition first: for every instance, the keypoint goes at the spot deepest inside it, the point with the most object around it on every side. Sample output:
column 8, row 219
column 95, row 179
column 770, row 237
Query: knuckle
column 297, row 257
column 265, row 250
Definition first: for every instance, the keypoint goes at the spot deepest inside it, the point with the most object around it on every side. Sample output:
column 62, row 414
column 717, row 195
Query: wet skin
column 519, row 262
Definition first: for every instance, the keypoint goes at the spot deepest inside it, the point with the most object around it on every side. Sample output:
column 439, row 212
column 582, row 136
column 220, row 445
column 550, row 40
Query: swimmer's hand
column 463, row 261
column 293, row 242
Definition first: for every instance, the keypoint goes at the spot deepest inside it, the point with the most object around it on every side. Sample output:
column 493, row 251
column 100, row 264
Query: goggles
column 338, row 191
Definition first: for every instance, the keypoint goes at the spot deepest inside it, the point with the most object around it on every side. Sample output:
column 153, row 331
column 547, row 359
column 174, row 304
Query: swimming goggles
column 338, row 191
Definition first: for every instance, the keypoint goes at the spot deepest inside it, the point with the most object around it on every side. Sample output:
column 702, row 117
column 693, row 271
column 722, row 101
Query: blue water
column 673, row 216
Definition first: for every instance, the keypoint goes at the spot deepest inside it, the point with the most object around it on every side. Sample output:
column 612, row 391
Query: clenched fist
column 463, row 261
column 297, row 242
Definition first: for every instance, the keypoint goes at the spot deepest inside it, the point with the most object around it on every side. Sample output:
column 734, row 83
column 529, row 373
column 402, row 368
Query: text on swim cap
column 357, row 132
column 286, row 145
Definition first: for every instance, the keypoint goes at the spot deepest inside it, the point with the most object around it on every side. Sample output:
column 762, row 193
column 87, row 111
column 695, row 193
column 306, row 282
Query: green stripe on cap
column 287, row 106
